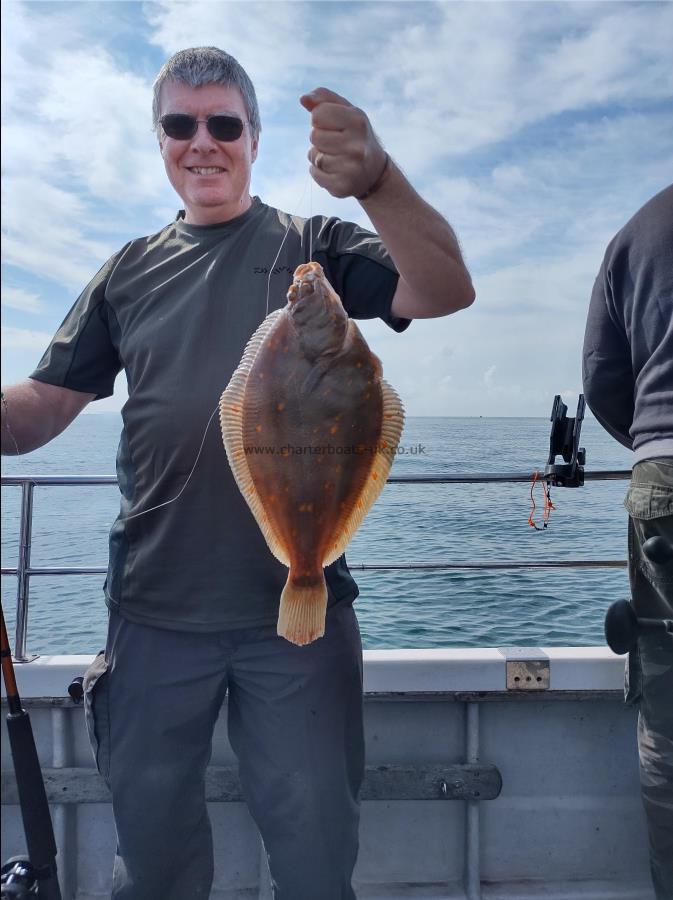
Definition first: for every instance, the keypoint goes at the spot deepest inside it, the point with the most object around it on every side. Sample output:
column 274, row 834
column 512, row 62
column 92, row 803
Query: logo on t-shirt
column 264, row 270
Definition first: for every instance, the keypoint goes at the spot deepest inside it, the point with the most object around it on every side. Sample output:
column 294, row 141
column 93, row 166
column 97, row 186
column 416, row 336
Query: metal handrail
column 441, row 478
column 24, row 571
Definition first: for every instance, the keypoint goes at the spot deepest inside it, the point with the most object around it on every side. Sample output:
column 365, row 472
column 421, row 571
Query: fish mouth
column 306, row 277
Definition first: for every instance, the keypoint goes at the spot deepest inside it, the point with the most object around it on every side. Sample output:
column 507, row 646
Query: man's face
column 212, row 177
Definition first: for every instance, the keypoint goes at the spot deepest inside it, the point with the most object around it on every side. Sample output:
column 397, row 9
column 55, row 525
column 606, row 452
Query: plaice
column 310, row 429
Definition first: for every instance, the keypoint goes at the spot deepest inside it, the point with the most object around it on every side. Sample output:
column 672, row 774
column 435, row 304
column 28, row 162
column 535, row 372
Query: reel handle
column 76, row 689
column 623, row 627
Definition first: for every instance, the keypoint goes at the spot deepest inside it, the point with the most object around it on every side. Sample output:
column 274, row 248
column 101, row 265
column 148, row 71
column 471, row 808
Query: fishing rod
column 25, row 878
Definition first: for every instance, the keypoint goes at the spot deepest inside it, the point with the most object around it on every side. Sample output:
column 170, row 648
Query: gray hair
column 207, row 65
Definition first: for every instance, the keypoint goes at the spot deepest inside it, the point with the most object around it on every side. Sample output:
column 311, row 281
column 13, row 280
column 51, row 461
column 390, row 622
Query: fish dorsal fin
column 391, row 431
column 231, row 421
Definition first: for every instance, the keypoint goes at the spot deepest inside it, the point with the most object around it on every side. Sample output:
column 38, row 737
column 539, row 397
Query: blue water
column 409, row 523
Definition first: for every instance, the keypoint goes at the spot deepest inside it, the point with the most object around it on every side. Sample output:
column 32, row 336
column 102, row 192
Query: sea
column 409, row 524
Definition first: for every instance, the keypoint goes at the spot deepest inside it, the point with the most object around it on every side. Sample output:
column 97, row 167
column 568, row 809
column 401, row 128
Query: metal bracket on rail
column 564, row 441
column 526, row 669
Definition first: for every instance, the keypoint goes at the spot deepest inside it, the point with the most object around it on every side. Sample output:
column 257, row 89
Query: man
column 628, row 382
column 192, row 588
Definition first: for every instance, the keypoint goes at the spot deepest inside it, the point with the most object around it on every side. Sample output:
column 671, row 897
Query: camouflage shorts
column 650, row 668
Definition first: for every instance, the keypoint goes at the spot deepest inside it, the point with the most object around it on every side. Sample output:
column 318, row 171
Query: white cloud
column 77, row 161
column 253, row 32
column 537, row 129
column 45, row 232
column 101, row 139
column 24, row 339
column 18, row 298
column 472, row 75
column 488, row 376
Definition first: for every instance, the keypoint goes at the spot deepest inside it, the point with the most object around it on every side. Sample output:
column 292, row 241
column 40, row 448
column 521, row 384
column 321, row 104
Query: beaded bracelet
column 379, row 181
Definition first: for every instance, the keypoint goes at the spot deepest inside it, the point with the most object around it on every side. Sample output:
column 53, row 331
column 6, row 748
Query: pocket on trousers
column 649, row 501
column 97, row 712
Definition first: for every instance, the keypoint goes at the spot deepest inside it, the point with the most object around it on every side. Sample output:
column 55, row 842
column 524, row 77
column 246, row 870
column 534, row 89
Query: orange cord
column 548, row 505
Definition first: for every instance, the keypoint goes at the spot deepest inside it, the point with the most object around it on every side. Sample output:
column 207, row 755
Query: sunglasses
column 183, row 127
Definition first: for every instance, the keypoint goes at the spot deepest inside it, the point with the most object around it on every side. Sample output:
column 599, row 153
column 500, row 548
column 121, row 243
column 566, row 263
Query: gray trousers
column 295, row 724
column 650, row 670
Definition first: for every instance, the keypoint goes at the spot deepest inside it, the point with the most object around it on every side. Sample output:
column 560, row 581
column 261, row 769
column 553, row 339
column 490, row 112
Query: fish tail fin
column 303, row 604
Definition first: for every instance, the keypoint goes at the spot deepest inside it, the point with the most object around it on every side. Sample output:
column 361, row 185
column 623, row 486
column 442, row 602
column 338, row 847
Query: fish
column 310, row 430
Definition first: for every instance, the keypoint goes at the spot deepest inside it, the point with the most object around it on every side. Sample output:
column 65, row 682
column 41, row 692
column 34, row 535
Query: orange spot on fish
column 258, row 428
column 280, row 407
column 236, row 408
column 333, row 429
column 358, row 365
column 374, row 476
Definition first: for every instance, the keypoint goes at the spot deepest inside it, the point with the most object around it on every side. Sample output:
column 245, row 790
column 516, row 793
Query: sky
column 537, row 129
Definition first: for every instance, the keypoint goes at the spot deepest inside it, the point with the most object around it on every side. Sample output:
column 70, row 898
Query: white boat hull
column 568, row 822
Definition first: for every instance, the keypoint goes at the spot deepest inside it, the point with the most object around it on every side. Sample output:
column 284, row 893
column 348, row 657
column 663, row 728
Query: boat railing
column 462, row 682
column 24, row 571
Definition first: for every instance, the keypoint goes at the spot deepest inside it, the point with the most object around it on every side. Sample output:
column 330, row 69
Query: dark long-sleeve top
column 628, row 344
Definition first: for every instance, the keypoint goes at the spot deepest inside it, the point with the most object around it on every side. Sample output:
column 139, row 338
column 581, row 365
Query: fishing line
column 287, row 231
column 166, row 502
column 212, row 415
column 310, row 219
column 7, row 425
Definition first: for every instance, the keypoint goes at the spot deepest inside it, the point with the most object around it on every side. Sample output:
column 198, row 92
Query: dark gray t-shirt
column 175, row 310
